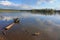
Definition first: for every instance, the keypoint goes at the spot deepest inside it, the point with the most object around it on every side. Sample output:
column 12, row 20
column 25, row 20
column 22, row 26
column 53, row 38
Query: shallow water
column 48, row 26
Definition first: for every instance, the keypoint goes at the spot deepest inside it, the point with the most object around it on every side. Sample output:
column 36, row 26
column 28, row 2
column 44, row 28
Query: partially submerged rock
column 16, row 20
column 36, row 34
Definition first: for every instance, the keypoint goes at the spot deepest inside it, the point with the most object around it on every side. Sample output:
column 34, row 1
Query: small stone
column 36, row 34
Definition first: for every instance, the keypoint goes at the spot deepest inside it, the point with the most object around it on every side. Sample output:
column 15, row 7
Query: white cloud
column 11, row 4
column 24, row 6
column 5, row 3
column 44, row 1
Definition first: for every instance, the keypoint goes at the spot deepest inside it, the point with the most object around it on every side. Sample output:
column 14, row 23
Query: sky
column 30, row 4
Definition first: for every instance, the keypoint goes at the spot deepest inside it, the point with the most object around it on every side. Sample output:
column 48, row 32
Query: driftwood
column 16, row 20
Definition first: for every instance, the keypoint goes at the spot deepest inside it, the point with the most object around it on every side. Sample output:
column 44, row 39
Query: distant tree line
column 34, row 10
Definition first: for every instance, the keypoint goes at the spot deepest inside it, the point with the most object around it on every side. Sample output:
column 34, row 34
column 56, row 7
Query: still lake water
column 47, row 25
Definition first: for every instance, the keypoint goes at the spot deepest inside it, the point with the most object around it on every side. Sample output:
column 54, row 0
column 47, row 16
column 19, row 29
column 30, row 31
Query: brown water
column 31, row 27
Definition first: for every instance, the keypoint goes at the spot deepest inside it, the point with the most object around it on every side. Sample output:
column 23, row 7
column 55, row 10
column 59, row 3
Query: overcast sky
column 29, row 4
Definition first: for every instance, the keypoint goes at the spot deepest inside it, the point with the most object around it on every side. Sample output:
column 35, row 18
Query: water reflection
column 50, row 24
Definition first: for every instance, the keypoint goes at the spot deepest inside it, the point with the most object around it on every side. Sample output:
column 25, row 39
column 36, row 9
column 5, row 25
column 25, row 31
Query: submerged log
column 8, row 27
column 16, row 20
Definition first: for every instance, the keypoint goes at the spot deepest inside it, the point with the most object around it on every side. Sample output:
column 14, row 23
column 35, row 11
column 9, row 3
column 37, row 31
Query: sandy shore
column 25, row 32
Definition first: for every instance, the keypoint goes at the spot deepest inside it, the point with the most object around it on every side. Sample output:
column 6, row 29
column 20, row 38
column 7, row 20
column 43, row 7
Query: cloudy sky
column 29, row 4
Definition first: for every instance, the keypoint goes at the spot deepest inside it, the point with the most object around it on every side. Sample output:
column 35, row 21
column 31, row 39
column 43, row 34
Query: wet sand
column 18, row 32
column 26, row 32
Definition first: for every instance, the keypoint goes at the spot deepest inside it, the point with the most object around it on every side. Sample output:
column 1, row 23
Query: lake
column 48, row 26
